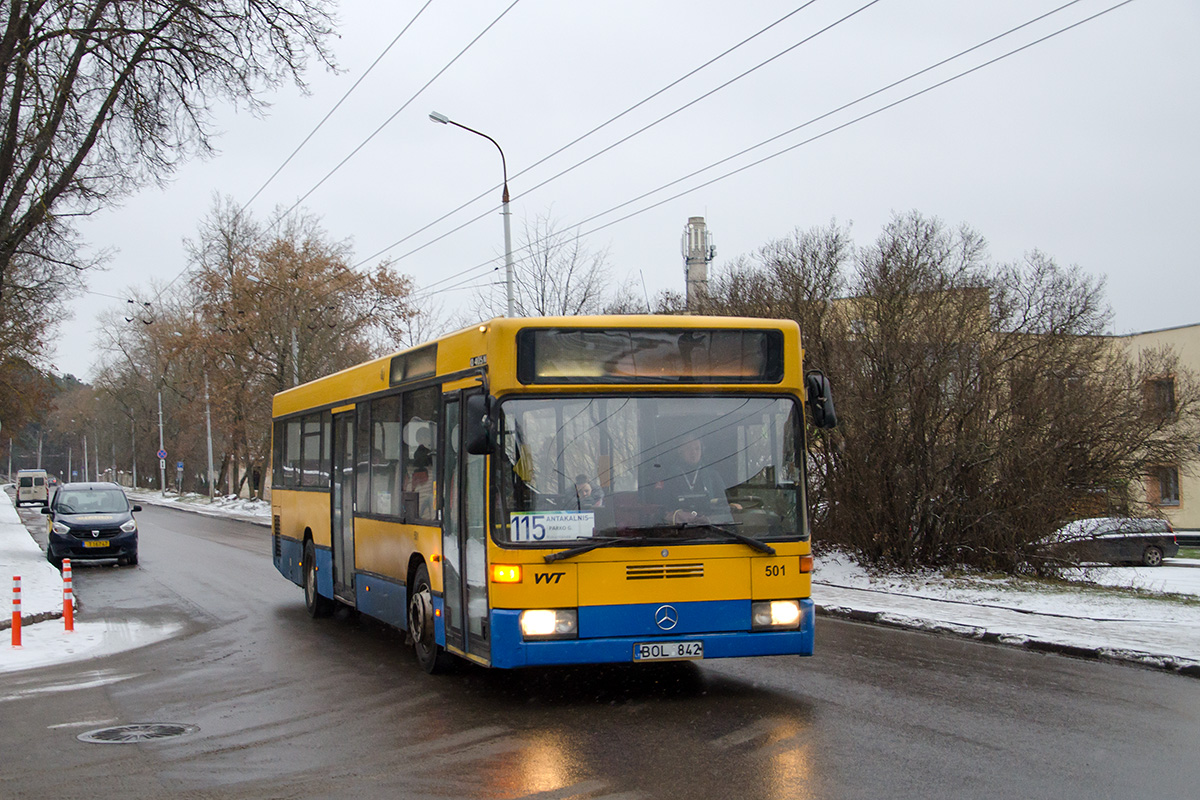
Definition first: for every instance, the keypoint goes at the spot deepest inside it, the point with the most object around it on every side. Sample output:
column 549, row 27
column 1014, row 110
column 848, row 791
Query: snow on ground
column 41, row 584
column 225, row 506
column 1091, row 619
column 1088, row 594
column 1143, row 615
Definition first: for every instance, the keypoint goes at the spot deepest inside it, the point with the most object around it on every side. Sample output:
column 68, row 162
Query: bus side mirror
column 820, row 400
column 478, row 425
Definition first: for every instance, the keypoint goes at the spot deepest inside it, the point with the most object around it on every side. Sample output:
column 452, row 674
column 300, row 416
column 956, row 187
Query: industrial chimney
column 698, row 250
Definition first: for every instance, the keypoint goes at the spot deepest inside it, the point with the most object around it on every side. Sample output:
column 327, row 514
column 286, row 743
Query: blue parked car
column 90, row 522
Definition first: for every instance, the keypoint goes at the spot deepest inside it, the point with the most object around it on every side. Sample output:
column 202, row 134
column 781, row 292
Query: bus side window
column 420, row 453
column 362, row 458
column 385, row 456
column 291, row 454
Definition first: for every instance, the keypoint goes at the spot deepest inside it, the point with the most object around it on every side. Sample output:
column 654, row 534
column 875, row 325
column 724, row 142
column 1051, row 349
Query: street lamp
column 508, row 262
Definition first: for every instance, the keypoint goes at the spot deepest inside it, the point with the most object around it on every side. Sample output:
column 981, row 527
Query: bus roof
column 492, row 343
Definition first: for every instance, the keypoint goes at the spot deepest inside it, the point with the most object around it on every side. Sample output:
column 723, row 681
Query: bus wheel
column 317, row 605
column 420, row 624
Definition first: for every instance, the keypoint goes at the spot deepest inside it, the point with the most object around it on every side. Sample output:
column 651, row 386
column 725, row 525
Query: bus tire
column 317, row 605
column 430, row 656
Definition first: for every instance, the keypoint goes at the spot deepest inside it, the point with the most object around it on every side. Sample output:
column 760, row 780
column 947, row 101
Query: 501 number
column 776, row 570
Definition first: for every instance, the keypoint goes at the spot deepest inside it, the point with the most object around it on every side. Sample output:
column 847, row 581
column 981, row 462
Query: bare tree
column 260, row 314
column 980, row 405
column 555, row 275
column 98, row 98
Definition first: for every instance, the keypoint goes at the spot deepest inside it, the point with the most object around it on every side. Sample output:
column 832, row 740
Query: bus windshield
column 577, row 469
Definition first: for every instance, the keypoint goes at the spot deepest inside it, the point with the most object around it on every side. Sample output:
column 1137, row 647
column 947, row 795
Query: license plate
column 95, row 544
column 668, row 651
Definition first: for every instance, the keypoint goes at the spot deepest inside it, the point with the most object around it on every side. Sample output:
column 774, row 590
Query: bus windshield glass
column 581, row 468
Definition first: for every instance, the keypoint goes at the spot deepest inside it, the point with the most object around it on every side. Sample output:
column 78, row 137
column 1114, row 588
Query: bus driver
column 696, row 492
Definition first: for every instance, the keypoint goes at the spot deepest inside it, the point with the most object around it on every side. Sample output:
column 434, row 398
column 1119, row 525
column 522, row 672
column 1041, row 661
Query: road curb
column 1185, row 667
column 30, row 619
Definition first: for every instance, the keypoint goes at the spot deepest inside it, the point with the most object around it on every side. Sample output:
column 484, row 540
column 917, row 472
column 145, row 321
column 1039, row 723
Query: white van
column 33, row 486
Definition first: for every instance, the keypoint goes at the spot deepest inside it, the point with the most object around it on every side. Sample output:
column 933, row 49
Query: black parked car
column 1116, row 540
column 92, row 521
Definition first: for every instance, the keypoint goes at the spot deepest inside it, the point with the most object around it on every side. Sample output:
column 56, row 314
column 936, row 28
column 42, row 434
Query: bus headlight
column 775, row 614
column 550, row 623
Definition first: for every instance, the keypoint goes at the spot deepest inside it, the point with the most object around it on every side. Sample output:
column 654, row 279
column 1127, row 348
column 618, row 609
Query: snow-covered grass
column 1084, row 591
column 223, row 504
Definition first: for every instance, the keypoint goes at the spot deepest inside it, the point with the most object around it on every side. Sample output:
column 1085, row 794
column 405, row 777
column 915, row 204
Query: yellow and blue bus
column 560, row 490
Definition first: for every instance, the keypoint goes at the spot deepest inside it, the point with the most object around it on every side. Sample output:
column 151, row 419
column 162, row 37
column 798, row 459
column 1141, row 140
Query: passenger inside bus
column 588, row 495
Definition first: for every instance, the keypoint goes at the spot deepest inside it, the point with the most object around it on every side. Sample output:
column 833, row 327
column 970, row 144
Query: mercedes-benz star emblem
column 666, row 617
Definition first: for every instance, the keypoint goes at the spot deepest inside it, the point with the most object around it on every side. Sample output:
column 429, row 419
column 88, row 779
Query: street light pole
column 508, row 261
column 208, row 424
column 162, row 462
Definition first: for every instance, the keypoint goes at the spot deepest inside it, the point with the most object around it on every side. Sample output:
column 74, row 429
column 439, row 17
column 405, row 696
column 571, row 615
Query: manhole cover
column 137, row 732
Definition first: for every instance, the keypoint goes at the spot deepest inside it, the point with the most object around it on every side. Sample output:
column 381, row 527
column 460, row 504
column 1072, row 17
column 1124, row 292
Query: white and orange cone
column 68, row 598
column 16, row 611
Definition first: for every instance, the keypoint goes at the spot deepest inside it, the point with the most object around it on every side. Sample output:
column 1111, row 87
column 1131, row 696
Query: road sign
column 162, row 463
column 178, row 465
column 162, row 453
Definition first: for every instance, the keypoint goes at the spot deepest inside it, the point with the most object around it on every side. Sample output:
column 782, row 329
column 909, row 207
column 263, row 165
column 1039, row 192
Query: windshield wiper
column 591, row 544
column 728, row 531
column 606, row 541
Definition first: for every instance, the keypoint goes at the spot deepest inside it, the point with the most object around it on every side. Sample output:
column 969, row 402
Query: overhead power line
column 280, row 217
column 396, row 113
column 599, row 127
column 844, row 125
column 641, row 130
column 336, row 106
column 425, row 291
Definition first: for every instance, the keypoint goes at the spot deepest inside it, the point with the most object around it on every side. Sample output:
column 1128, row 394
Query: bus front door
column 464, row 537
column 342, row 507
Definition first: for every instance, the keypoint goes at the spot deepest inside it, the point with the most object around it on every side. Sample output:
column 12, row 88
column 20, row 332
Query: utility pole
column 208, row 424
column 133, row 445
column 162, row 462
column 85, row 460
column 295, row 358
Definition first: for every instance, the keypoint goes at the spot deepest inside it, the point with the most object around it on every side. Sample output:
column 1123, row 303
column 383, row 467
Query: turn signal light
column 806, row 564
column 506, row 573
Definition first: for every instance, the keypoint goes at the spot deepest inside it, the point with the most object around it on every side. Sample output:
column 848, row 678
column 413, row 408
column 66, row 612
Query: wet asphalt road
column 293, row 707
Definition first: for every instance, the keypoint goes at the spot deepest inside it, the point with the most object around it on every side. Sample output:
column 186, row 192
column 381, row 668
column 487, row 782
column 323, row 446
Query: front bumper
column 509, row 649
column 75, row 548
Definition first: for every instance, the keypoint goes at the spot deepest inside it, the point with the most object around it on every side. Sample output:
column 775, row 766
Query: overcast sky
column 1082, row 146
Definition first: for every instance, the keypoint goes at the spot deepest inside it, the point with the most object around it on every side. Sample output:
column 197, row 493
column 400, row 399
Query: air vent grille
column 649, row 572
